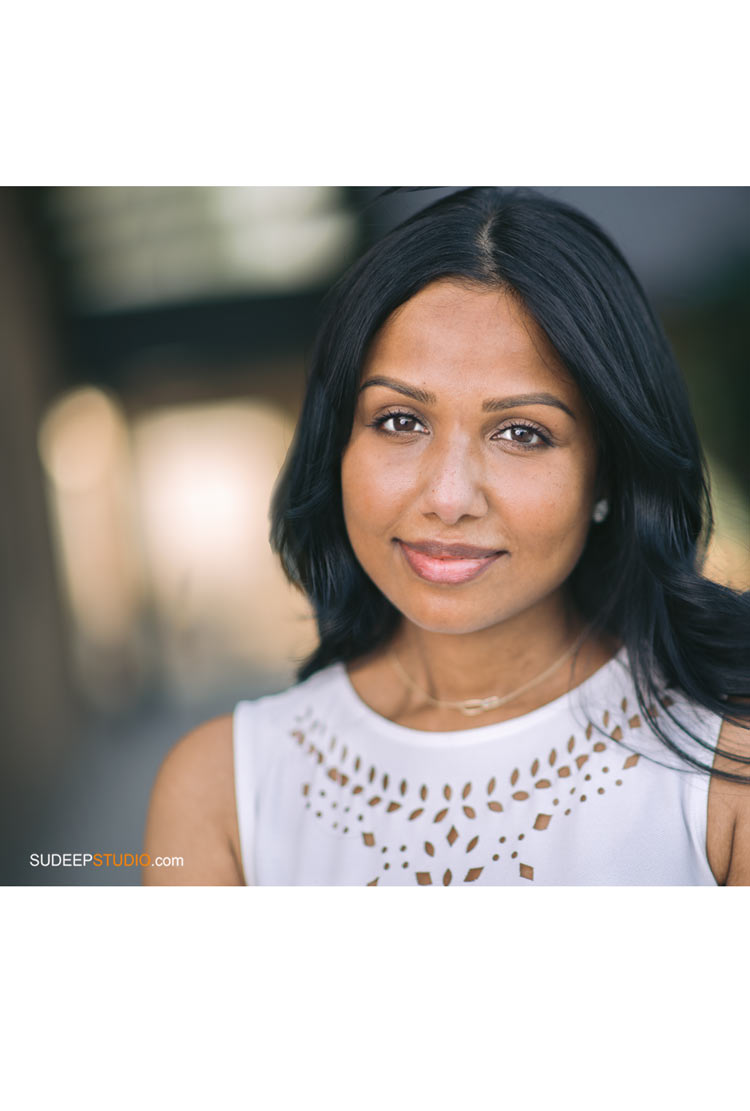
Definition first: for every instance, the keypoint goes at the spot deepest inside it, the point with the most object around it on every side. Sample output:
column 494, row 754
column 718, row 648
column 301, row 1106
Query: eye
column 525, row 435
column 393, row 423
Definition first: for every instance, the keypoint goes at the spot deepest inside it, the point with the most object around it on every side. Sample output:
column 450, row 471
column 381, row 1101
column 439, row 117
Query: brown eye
column 400, row 422
column 522, row 435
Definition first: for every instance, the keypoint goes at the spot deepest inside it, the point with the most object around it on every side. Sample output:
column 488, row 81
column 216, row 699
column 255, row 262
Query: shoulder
column 192, row 811
column 729, row 809
column 193, row 808
column 201, row 761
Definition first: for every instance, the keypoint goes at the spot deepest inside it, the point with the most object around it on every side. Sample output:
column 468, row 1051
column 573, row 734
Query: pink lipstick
column 447, row 563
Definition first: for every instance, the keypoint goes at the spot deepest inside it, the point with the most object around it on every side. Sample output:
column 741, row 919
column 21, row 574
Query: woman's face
column 469, row 478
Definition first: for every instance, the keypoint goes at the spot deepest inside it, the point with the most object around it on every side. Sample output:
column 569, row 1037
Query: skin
column 517, row 477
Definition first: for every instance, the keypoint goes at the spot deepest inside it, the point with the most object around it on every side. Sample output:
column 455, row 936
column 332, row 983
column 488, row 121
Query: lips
column 447, row 563
column 450, row 551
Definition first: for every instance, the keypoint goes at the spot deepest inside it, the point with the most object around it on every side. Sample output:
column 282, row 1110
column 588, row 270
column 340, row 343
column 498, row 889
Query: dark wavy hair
column 639, row 576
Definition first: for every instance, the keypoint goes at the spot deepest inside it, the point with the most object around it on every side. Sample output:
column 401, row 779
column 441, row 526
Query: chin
column 450, row 620
column 451, row 628
column 455, row 616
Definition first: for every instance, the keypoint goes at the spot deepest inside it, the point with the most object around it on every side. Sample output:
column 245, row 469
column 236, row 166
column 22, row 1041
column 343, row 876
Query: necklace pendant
column 473, row 706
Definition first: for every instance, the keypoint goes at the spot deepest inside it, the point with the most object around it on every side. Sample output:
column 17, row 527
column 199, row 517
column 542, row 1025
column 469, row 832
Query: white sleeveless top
column 579, row 791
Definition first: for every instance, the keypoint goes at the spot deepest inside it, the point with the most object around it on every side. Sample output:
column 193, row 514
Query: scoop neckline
column 477, row 734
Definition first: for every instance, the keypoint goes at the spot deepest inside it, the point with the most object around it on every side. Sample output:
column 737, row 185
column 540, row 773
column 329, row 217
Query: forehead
column 465, row 335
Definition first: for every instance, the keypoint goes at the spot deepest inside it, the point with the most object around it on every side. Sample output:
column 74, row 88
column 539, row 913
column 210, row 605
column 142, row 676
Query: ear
column 600, row 511
column 602, row 498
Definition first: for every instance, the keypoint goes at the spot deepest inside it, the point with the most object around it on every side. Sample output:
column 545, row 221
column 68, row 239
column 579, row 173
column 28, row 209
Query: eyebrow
column 491, row 405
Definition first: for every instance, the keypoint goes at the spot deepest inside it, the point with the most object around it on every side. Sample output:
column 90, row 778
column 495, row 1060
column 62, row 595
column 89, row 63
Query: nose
column 453, row 482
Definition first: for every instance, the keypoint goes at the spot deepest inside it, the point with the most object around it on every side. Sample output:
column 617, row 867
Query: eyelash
column 379, row 424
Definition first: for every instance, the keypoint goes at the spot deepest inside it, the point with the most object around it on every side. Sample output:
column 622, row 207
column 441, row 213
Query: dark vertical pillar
column 37, row 705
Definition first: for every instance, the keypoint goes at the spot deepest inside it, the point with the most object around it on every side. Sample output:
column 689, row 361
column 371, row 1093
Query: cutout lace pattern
column 344, row 792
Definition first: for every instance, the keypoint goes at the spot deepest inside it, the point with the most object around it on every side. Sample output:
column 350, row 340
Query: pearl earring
column 601, row 509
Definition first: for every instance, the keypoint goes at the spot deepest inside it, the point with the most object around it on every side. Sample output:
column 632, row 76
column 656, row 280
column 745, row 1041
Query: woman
column 497, row 505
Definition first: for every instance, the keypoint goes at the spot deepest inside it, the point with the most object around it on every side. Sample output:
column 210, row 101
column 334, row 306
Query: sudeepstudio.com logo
column 103, row 860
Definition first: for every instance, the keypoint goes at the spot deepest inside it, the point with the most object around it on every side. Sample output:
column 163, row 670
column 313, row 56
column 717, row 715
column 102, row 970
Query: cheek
column 374, row 492
column 548, row 508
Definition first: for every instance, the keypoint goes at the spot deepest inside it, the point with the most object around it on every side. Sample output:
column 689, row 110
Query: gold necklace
column 472, row 706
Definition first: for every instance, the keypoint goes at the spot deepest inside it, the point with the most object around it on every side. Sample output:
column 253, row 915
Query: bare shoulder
column 192, row 812
column 728, row 840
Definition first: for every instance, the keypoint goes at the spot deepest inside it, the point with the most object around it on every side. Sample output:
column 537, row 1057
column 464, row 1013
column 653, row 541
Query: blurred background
column 153, row 344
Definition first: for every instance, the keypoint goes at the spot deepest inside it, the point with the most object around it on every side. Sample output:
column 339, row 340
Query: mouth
column 447, row 563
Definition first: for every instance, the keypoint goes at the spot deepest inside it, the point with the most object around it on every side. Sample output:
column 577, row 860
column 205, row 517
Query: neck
column 493, row 661
column 475, row 665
